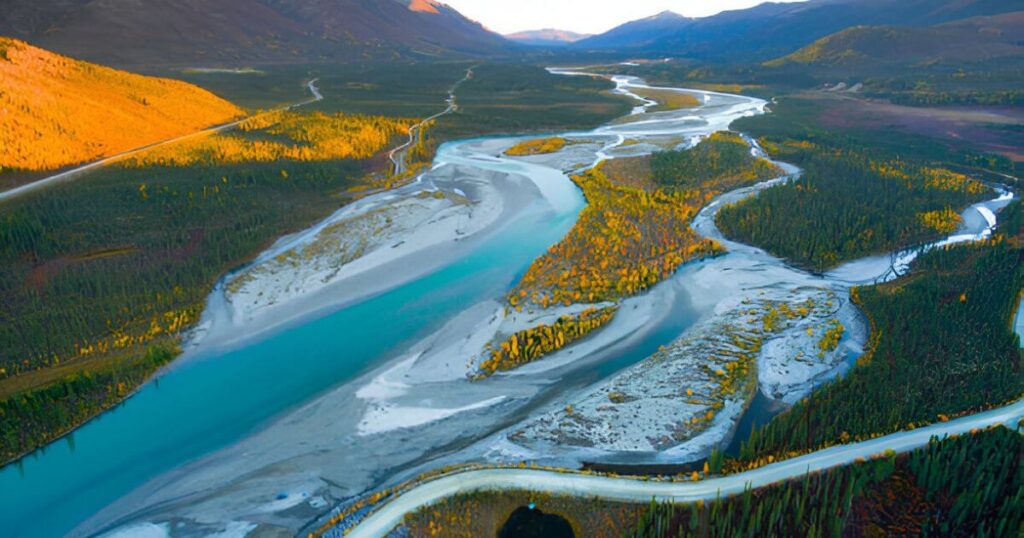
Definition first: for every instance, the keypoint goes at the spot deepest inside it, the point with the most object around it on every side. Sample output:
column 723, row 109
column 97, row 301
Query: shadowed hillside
column 230, row 32
column 771, row 30
column 971, row 39
column 58, row 111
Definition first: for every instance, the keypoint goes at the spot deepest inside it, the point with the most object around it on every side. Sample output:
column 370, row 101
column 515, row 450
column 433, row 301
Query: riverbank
column 366, row 248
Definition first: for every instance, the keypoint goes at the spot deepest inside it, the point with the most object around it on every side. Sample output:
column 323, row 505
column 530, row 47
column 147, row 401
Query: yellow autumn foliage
column 668, row 99
column 830, row 340
column 539, row 146
column 531, row 344
column 942, row 220
column 939, row 179
column 624, row 241
column 290, row 135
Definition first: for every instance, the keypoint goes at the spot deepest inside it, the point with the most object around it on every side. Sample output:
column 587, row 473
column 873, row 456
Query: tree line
column 848, row 205
column 971, row 485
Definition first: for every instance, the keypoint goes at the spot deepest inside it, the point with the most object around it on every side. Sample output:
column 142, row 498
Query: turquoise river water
column 229, row 395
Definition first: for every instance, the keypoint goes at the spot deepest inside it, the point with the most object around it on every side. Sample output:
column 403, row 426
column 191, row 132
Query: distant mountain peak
column 424, row 6
column 773, row 29
column 546, row 37
column 668, row 14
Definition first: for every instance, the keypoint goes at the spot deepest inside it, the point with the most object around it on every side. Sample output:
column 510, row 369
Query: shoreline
column 224, row 326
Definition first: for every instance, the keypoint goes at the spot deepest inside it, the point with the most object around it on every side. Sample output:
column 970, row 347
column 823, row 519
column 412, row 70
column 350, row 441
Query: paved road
column 75, row 172
column 634, row 490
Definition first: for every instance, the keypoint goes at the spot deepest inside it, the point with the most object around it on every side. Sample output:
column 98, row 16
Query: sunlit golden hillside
column 56, row 111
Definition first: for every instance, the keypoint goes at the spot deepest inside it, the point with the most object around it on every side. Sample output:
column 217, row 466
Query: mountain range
column 548, row 37
column 877, row 47
column 229, row 32
column 212, row 33
column 771, row 30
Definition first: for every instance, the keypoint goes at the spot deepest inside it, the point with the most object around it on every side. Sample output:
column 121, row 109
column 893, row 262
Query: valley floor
column 718, row 330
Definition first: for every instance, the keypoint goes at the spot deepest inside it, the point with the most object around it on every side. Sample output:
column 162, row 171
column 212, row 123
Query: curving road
column 399, row 154
column 75, row 172
column 626, row 489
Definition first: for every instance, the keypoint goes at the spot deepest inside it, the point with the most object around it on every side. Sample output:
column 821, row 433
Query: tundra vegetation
column 878, row 107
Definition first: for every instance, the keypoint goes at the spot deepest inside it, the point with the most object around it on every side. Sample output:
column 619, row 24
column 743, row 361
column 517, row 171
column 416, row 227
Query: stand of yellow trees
column 625, row 241
column 531, row 344
column 538, row 146
column 274, row 136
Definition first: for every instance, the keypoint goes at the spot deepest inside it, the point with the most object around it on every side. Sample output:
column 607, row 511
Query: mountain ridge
column 772, row 30
column 638, row 33
column 230, row 32
column 976, row 38
column 546, row 37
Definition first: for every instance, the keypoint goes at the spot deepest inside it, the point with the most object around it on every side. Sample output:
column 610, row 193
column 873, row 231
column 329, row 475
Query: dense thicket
column 284, row 136
column 721, row 162
column 966, row 486
column 848, row 205
column 942, row 345
column 531, row 344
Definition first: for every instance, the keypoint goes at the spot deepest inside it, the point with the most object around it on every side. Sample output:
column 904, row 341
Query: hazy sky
column 586, row 16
